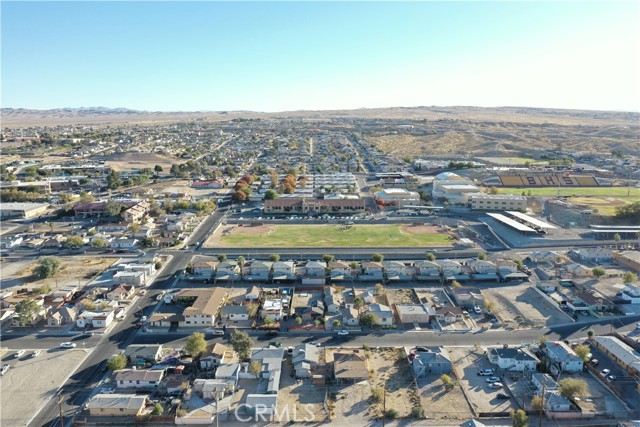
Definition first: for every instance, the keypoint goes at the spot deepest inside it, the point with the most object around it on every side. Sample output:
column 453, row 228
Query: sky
column 283, row 56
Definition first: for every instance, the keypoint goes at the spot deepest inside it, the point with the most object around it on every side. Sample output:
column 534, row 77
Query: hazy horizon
column 306, row 56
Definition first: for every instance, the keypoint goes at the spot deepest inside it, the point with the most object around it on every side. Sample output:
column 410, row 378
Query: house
column 54, row 242
column 621, row 353
column 590, row 301
column 124, row 243
column 448, row 314
column 315, row 269
column 95, row 319
column 203, row 305
column 543, row 256
column 314, row 310
column 544, row 382
column 121, row 292
column 272, row 308
column 252, row 294
column 228, row 371
column 305, row 359
column 371, row 270
column 227, row 269
column 204, row 268
column 428, row 270
column 593, row 255
column 213, row 356
column 332, row 300
column 116, row 405
column 259, row 270
column 513, row 359
column 284, row 270
column 350, row 317
column 143, row 352
column 348, row 297
column 483, row 269
column 435, row 361
column 449, row 268
column 350, row 366
column 136, row 212
column 397, row 270
column 383, row 314
column 562, row 357
column 139, row 378
column 631, row 293
column 132, row 278
column 234, row 312
column 506, row 267
column 340, row 270
column 10, row 242
column 629, row 259
column 63, row 316
column 578, row 270
column 415, row 313
column 467, row 296
column 119, row 227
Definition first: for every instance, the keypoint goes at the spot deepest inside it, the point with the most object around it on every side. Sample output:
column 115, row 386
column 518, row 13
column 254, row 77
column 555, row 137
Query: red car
column 138, row 325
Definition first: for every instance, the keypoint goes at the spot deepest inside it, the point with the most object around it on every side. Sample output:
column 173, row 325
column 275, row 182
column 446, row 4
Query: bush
column 417, row 412
column 47, row 267
column 377, row 395
column 391, row 414
column 157, row 409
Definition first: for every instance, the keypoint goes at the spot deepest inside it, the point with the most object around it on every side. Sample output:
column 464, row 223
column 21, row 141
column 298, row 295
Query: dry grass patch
column 74, row 270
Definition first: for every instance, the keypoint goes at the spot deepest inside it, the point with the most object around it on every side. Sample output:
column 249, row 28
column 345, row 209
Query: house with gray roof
column 513, row 359
column 305, row 359
column 562, row 357
column 435, row 361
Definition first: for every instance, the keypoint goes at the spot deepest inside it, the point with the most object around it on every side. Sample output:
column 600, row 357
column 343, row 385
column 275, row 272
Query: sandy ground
column 301, row 398
column 392, row 372
column 30, row 381
column 521, row 305
column 439, row 403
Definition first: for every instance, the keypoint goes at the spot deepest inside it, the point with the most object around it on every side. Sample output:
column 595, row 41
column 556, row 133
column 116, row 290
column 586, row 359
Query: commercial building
column 399, row 197
column 452, row 187
column 22, row 210
column 314, row 206
column 491, row 202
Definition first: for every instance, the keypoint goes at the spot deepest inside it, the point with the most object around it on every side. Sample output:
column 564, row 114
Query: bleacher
column 547, row 180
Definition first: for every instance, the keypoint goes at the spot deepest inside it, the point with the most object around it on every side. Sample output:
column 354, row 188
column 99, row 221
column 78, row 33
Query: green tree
column 196, row 344
column 377, row 257
column 447, row 382
column 573, row 387
column 519, row 264
column 113, row 180
column 112, row 208
column 241, row 261
column 629, row 277
column 598, row 272
column 157, row 168
column 42, row 290
column 519, row 418
column 65, row 198
column 298, row 320
column 417, row 412
column 274, row 258
column 241, row 344
column 391, row 414
column 86, row 197
column 74, row 241
column 590, row 333
column 358, row 303
column 537, row 403
column 117, row 362
column 336, row 324
column 327, row 258
column 268, row 320
column 582, row 351
column 47, row 267
column 368, row 320
column 489, row 305
column 157, row 409
column 482, row 256
column 222, row 258
column 270, row 194
column 27, row 309
column 255, row 367
column 431, row 257
column 616, row 237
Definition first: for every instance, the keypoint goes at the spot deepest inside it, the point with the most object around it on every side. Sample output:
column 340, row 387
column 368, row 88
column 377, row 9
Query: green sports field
column 311, row 236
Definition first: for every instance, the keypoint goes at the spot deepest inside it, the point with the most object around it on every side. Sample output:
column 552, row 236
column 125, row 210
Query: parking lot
column 30, row 380
column 468, row 362
column 522, row 306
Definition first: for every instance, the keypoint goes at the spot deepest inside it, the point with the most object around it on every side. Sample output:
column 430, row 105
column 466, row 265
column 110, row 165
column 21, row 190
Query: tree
column 630, row 211
column 134, row 228
column 255, row 367
column 582, row 351
column 431, row 257
column 268, row 320
column 99, row 242
column 241, row 261
column 518, row 263
column 74, row 241
column 573, row 387
column 616, row 237
column 482, row 256
column 378, row 289
column 336, row 324
column 42, row 290
column 519, row 418
column 157, row 168
column 112, row 208
column 542, row 339
column 47, row 267
column 298, row 320
column 358, row 303
column 590, row 333
column 377, row 257
column 117, row 362
column 455, row 284
column 247, row 178
column 328, row 258
column 196, row 344
column 241, row 344
column 113, row 179
column 417, row 412
column 598, row 272
column 65, row 198
column 238, row 197
column 274, row 258
column 157, row 409
column 537, row 403
column 27, row 309
column 629, row 277
column 368, row 320
column 270, row 194
column 86, row 197
column 391, row 414
column 447, row 382
column 222, row 258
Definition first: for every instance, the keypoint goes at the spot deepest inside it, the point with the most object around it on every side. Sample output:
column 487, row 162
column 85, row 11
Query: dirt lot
column 521, row 306
column 30, row 380
column 300, row 397
column 78, row 270
column 391, row 372
column 402, row 296
column 350, row 403
column 440, row 404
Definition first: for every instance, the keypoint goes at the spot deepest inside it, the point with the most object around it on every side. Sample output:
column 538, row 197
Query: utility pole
column 60, row 408
column 544, row 384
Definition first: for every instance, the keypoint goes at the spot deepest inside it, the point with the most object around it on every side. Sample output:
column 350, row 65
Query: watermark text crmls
column 267, row 413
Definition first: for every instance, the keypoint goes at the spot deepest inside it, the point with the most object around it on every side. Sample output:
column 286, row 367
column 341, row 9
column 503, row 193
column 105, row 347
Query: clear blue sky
column 268, row 56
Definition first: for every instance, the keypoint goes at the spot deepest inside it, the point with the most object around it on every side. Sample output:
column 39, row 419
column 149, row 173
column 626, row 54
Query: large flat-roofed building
column 22, row 210
column 452, row 187
column 204, row 308
column 493, row 202
column 43, row 187
column 397, row 197
column 314, row 206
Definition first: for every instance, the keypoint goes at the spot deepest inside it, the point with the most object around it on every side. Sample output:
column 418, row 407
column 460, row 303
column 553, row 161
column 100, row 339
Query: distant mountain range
column 21, row 117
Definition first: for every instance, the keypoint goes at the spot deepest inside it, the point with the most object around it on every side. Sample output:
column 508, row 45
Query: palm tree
column 616, row 237
column 241, row 262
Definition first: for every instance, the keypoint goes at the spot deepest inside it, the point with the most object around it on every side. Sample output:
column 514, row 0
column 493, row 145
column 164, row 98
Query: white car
column 143, row 319
column 496, row 385
column 343, row 332
column 36, row 353
column 605, row 372
column 107, row 390
column 68, row 345
column 492, row 379
column 20, row 353
column 4, row 369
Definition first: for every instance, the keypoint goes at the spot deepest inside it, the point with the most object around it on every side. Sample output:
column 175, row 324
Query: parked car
column 68, row 345
column 502, row 396
column 605, row 372
column 611, row 377
column 20, row 353
column 107, row 390
column 496, row 385
column 421, row 348
column 343, row 332
column 143, row 319
column 486, row 372
column 477, row 310
column 218, row 332
column 35, row 353
column 594, row 362
column 272, row 333
column 4, row 369
column 492, row 379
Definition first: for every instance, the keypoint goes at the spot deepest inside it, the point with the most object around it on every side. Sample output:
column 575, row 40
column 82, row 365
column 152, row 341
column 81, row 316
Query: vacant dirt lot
column 521, row 306
column 300, row 397
column 350, row 403
column 77, row 270
column 440, row 404
column 31, row 380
